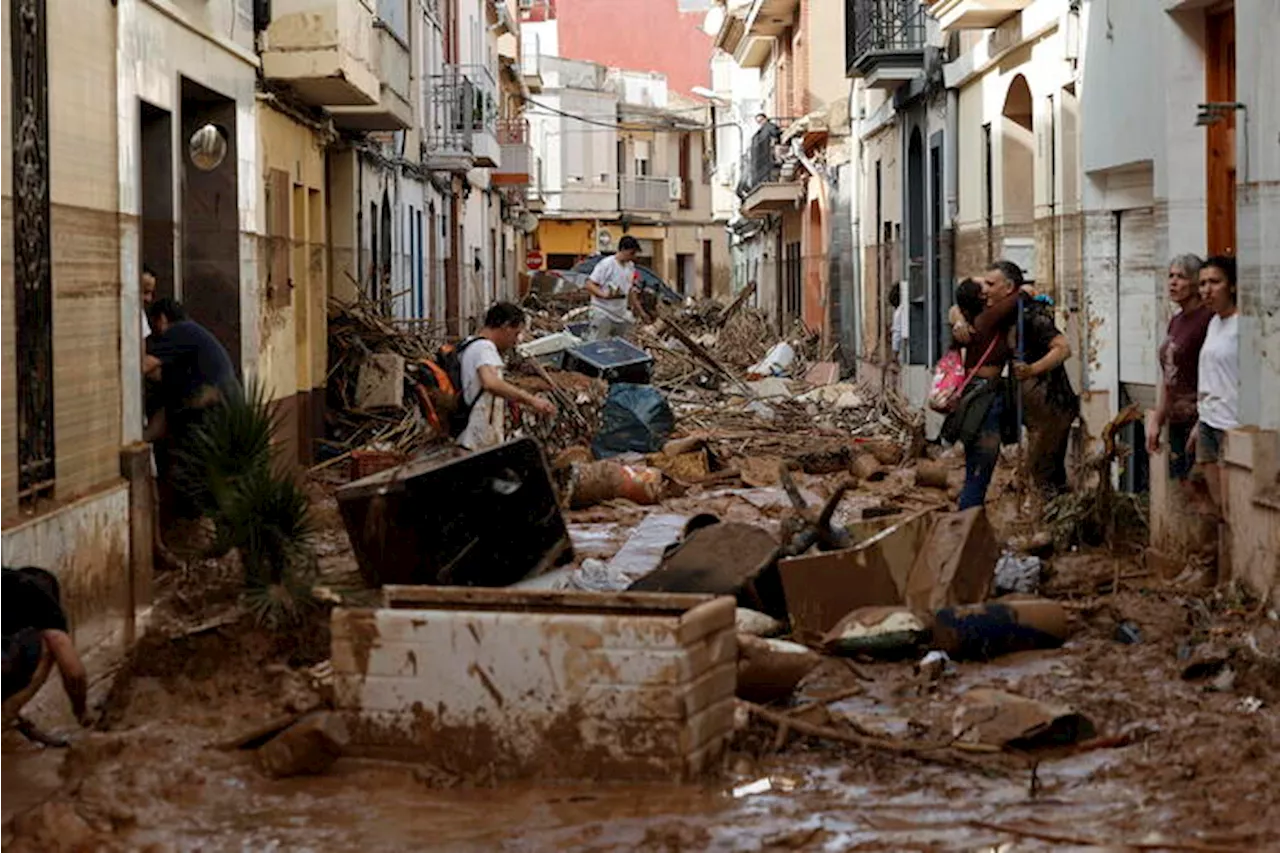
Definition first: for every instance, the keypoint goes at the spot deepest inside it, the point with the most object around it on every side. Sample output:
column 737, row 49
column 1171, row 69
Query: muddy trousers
column 980, row 457
column 1047, row 444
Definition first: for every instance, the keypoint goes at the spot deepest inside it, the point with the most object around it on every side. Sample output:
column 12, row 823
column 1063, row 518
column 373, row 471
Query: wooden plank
column 476, row 598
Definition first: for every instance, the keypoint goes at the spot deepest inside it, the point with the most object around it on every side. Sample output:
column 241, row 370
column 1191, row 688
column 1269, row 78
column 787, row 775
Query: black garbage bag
column 635, row 419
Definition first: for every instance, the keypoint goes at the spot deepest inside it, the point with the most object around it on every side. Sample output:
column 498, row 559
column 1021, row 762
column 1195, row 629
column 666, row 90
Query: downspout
column 953, row 177
column 855, row 202
column 359, row 277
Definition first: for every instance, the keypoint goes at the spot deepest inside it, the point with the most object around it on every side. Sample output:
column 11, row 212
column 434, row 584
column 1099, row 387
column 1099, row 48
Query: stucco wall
column 157, row 49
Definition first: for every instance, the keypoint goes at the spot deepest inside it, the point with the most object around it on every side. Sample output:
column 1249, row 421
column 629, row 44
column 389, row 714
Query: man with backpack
column 480, row 366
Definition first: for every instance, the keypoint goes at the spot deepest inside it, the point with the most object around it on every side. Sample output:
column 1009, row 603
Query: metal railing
column 760, row 164
column 530, row 55
column 463, row 104
column 644, row 193
column 883, row 25
column 513, row 136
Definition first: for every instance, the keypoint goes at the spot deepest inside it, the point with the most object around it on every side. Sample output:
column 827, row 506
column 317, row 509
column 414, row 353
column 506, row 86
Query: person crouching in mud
column 36, row 639
column 983, row 415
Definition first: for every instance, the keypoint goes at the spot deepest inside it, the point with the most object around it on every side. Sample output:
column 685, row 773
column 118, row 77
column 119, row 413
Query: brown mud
column 1199, row 771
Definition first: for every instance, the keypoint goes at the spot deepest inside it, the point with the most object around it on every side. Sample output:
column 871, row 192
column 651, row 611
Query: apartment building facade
column 791, row 179
column 621, row 156
column 1183, row 158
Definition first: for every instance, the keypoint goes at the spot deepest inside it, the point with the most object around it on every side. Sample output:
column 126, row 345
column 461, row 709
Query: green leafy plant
column 257, row 507
column 232, row 441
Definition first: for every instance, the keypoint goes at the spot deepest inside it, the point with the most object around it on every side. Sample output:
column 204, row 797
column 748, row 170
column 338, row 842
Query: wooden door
column 1220, row 86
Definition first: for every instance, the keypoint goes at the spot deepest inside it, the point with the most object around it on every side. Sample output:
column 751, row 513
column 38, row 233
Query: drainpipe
column 953, row 172
column 359, row 276
column 855, row 202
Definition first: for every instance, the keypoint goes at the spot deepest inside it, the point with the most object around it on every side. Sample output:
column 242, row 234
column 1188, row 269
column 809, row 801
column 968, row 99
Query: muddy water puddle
column 159, row 788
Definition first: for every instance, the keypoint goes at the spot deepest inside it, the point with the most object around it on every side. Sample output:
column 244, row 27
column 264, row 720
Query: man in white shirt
column 614, row 294
column 482, row 384
column 898, row 332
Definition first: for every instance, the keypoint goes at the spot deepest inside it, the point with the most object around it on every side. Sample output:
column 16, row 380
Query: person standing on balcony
column 614, row 296
column 769, row 128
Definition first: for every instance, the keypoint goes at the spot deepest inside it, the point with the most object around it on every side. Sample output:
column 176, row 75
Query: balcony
column 766, row 20
column 974, row 14
column 884, row 41
column 393, row 110
column 766, row 185
column 513, row 138
column 644, row 194
column 531, row 63
column 462, row 120
column 323, row 50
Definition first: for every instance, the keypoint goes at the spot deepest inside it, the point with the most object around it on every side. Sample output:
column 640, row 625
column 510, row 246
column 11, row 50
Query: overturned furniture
column 925, row 560
column 483, row 519
column 540, row 683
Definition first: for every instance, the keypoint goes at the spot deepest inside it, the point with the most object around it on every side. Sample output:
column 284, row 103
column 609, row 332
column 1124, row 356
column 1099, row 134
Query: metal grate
column 32, row 273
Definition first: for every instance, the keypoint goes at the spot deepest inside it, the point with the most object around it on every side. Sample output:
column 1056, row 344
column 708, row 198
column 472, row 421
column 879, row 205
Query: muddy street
column 1185, row 763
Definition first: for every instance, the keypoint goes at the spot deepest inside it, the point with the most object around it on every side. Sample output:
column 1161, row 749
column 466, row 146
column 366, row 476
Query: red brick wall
column 649, row 36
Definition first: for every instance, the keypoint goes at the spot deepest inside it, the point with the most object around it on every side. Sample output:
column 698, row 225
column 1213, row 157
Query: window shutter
column 279, row 287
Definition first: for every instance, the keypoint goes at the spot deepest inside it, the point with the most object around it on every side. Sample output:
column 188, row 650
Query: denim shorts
column 1209, row 443
column 1180, row 461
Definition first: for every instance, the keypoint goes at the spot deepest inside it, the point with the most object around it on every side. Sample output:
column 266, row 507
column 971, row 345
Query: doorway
column 917, row 340
column 684, row 273
column 707, row 289
column 211, row 215
column 156, row 180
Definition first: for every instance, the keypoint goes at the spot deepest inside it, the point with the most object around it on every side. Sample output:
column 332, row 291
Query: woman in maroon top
column 1180, row 366
column 976, row 420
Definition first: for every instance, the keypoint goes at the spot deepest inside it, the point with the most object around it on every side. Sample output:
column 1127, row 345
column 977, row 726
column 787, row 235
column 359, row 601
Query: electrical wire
column 614, row 125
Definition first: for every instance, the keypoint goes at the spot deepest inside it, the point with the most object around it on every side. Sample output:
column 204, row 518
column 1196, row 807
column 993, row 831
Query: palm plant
column 256, row 507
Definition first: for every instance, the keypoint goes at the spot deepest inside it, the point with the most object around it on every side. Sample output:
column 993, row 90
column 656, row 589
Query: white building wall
column 214, row 46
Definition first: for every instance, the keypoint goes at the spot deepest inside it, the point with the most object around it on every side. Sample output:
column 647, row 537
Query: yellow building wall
column 294, row 328
column 566, row 237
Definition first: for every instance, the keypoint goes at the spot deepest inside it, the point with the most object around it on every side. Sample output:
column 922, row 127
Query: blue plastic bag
column 635, row 419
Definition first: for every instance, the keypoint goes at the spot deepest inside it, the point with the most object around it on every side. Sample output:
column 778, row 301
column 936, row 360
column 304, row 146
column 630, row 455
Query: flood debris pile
column 371, row 404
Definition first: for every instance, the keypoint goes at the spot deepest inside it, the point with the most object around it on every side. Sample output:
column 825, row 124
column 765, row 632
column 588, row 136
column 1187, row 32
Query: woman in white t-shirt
column 1218, row 386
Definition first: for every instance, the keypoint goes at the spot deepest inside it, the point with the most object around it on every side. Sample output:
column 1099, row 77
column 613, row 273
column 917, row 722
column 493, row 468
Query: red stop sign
column 533, row 259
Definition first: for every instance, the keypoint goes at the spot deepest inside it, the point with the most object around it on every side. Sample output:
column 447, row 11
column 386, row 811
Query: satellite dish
column 527, row 222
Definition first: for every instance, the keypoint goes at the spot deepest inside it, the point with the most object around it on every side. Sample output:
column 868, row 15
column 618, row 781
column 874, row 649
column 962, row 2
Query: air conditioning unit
column 675, row 189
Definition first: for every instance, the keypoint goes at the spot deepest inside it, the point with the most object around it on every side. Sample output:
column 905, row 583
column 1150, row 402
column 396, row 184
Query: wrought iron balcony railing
column 882, row 26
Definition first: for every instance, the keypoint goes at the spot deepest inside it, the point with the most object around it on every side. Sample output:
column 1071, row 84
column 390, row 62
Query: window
column 641, row 153
column 394, row 14
column 32, row 264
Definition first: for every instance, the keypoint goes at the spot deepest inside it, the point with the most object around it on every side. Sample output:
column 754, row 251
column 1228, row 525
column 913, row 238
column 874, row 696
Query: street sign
column 533, row 259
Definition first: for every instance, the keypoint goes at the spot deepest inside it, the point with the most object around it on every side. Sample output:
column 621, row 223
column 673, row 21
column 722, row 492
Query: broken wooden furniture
column 483, row 519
